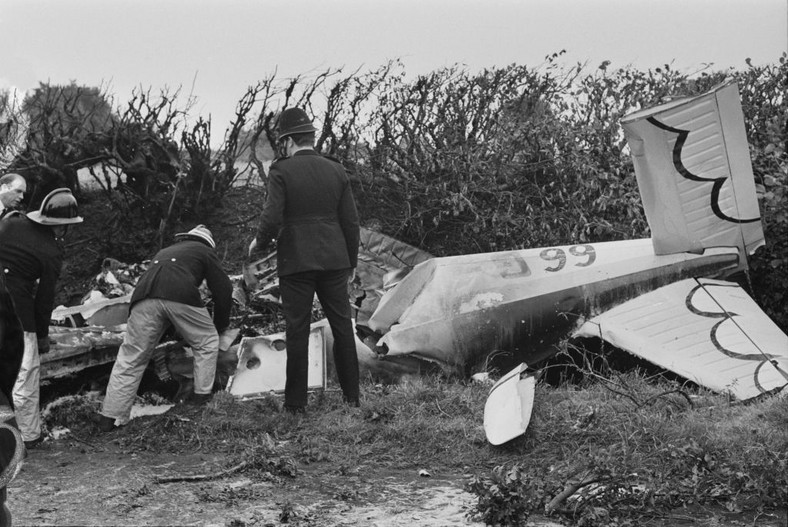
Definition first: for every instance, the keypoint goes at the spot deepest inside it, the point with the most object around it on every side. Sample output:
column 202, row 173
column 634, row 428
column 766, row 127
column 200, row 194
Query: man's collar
column 305, row 152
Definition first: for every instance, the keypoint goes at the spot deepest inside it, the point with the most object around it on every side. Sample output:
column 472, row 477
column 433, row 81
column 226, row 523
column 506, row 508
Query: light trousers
column 147, row 322
column 27, row 390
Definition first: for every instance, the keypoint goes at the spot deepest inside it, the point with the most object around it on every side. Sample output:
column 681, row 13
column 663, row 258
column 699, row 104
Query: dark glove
column 43, row 345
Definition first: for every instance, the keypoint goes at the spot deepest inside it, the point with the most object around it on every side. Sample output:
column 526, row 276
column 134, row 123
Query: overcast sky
column 216, row 48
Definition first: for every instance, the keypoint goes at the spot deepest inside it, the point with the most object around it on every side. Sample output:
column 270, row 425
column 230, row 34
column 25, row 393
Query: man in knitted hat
column 168, row 293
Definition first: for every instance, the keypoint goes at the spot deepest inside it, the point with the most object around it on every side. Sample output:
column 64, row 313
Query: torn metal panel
column 508, row 408
column 382, row 262
column 708, row 331
column 75, row 349
column 262, row 365
column 458, row 309
column 105, row 312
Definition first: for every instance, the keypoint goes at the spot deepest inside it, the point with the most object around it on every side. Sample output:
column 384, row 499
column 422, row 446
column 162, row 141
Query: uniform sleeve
column 348, row 220
column 221, row 292
column 45, row 295
column 273, row 211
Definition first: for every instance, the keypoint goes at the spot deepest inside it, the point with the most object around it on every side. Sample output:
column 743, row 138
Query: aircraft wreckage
column 663, row 299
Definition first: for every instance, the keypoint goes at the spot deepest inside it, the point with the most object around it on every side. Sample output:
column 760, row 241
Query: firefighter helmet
column 58, row 208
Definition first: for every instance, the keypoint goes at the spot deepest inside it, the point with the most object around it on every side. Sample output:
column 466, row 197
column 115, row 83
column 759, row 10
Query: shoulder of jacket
column 277, row 161
column 13, row 214
column 332, row 158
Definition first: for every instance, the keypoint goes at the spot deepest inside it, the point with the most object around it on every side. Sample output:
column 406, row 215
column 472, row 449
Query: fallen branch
column 570, row 489
column 202, row 477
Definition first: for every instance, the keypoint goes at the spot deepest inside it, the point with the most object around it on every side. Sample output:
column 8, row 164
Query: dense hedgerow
column 452, row 161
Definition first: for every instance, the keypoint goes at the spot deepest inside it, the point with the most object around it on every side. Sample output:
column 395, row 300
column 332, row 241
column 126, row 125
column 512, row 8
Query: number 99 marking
column 554, row 254
column 583, row 250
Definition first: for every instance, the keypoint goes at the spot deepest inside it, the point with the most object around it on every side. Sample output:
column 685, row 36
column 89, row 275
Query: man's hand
column 352, row 276
column 252, row 247
column 43, row 345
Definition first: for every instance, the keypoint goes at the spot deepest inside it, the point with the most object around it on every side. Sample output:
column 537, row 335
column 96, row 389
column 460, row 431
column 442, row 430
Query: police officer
column 311, row 213
column 31, row 256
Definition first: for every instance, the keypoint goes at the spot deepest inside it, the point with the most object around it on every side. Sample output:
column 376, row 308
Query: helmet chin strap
column 60, row 231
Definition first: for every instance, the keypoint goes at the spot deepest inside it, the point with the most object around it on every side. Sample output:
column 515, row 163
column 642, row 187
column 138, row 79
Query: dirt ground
column 95, row 480
column 70, row 482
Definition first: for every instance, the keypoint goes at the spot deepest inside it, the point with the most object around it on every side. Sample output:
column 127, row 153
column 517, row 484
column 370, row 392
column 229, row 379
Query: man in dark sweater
column 168, row 293
column 311, row 214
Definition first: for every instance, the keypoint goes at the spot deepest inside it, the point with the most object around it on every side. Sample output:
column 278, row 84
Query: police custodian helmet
column 58, row 208
column 294, row 121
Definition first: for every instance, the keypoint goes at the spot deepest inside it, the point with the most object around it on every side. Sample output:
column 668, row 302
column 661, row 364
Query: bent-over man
column 168, row 293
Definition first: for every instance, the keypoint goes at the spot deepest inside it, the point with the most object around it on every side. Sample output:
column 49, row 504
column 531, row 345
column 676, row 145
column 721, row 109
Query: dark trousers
column 298, row 291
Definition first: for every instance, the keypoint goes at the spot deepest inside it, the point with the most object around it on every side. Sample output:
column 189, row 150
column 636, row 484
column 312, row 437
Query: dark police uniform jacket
column 311, row 213
column 30, row 252
column 177, row 271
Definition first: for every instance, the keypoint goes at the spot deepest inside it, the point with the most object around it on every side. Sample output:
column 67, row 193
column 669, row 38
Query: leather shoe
column 198, row 399
column 352, row 401
column 33, row 442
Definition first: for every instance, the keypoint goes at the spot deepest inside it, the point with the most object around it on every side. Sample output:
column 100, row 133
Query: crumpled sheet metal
column 99, row 311
column 75, row 349
column 382, row 261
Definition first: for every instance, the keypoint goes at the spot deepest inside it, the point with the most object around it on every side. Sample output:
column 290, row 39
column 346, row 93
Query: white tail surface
column 692, row 163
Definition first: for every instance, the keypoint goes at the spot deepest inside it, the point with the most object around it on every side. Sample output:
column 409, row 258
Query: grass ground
column 636, row 451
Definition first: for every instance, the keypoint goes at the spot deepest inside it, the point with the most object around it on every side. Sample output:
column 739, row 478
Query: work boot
column 105, row 424
column 295, row 410
column 198, row 399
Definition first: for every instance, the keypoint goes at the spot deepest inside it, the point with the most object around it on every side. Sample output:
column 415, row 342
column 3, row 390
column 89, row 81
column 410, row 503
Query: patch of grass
column 640, row 450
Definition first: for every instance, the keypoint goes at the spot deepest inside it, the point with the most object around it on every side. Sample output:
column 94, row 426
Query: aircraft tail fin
column 693, row 169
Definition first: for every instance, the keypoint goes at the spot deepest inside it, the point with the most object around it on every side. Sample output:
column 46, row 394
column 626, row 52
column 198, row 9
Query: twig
column 202, row 477
column 680, row 392
column 85, row 442
column 570, row 489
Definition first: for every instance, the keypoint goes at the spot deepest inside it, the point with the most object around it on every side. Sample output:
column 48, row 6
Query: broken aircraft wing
column 708, row 331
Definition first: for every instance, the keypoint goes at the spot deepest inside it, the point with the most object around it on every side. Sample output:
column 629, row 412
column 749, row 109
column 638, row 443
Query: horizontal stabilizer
column 708, row 331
